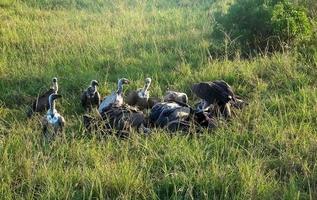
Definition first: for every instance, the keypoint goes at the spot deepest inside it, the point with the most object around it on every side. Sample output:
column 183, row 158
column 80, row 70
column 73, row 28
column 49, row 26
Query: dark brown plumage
column 217, row 95
column 91, row 97
column 178, row 116
column 41, row 103
column 152, row 101
column 96, row 124
column 214, row 92
column 133, row 99
column 125, row 118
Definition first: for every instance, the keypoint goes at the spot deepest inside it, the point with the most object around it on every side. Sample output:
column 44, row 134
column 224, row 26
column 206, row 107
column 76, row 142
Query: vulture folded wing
column 107, row 101
column 96, row 99
column 137, row 119
column 225, row 87
column 41, row 102
column 132, row 98
column 152, row 101
column 155, row 112
column 83, row 99
column 47, row 93
column 206, row 91
column 222, row 93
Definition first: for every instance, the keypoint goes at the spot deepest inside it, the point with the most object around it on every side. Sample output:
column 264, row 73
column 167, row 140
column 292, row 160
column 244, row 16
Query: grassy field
column 268, row 151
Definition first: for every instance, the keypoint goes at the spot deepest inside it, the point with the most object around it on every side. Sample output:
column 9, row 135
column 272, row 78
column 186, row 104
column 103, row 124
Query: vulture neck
column 120, row 87
column 55, row 86
column 52, row 105
column 145, row 88
column 94, row 89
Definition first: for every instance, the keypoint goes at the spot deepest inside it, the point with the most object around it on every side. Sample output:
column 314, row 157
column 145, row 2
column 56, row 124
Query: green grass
column 268, row 151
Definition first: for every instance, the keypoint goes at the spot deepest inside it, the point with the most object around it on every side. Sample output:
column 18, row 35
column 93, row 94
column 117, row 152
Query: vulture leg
column 225, row 110
column 44, row 127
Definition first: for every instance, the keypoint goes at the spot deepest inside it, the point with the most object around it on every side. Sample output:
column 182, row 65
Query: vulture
column 178, row 116
column 53, row 120
column 126, row 118
column 42, row 101
column 93, row 124
column 118, row 120
column 174, row 109
column 176, row 96
column 216, row 96
column 116, row 98
column 91, row 97
column 141, row 97
column 165, row 112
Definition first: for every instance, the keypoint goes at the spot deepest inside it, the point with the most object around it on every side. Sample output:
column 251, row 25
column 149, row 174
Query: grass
column 267, row 152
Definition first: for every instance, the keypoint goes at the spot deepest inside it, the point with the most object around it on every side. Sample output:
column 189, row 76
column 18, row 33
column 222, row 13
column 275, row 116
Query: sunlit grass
column 267, row 152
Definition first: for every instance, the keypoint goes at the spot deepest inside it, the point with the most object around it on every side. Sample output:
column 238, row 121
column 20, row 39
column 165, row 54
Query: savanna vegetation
column 268, row 151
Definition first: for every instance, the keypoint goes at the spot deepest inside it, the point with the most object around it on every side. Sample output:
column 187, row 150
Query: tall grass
column 267, row 152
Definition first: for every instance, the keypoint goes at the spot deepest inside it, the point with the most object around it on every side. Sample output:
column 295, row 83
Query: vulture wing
column 84, row 99
column 132, row 98
column 96, row 99
column 206, row 91
column 225, row 87
column 213, row 92
column 41, row 103
column 152, row 101
column 106, row 102
column 47, row 93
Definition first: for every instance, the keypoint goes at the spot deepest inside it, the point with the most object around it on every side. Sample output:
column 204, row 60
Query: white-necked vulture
column 53, row 120
column 116, row 98
column 91, row 97
column 42, row 101
column 165, row 112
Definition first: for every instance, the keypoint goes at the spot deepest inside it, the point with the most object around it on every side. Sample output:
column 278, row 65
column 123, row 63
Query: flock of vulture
column 138, row 111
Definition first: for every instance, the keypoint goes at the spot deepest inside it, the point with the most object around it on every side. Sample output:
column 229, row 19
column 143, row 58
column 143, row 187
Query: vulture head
column 54, row 84
column 148, row 81
column 123, row 81
column 94, row 83
column 92, row 89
